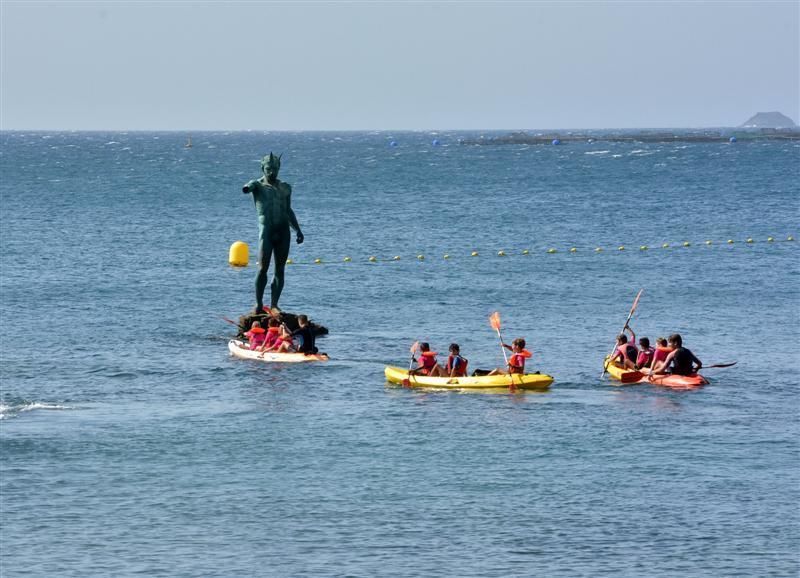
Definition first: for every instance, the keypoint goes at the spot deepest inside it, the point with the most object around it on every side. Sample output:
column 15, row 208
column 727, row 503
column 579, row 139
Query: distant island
column 759, row 127
column 768, row 120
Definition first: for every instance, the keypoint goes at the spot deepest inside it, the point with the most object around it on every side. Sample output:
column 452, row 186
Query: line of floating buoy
column 238, row 255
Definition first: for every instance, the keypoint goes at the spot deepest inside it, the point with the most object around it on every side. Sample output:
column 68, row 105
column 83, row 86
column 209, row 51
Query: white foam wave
column 597, row 153
column 11, row 410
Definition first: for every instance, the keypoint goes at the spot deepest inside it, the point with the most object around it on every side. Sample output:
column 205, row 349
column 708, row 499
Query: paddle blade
column 636, row 301
column 414, row 347
column 631, row 377
column 494, row 320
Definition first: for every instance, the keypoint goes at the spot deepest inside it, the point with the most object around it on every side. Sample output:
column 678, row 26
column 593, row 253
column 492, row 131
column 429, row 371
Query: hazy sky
column 391, row 65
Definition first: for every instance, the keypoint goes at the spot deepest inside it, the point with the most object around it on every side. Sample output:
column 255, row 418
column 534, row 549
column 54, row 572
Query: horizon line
column 378, row 130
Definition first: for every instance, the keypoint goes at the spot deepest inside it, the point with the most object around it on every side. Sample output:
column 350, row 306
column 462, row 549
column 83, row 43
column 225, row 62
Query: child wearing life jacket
column 427, row 362
column 660, row 353
column 456, row 365
column 516, row 361
column 256, row 335
column 273, row 335
column 646, row 353
column 626, row 353
column 683, row 361
column 284, row 343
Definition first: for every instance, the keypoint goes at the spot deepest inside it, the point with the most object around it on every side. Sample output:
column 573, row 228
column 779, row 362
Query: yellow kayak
column 527, row 381
column 623, row 375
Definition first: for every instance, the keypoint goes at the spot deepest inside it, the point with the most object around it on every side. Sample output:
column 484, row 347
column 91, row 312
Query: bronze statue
column 273, row 199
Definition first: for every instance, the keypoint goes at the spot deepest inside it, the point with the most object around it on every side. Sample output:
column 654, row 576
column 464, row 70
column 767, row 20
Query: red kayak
column 663, row 379
column 676, row 381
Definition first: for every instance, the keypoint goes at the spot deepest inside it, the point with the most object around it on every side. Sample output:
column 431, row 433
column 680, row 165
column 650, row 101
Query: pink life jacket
column 645, row 357
column 628, row 352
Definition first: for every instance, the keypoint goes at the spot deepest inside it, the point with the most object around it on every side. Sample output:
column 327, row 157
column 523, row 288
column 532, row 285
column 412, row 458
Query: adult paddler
column 273, row 200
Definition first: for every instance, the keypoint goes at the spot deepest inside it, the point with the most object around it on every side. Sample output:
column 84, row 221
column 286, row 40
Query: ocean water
column 131, row 443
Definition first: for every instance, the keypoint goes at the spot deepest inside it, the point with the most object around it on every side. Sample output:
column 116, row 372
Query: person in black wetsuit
column 683, row 361
column 306, row 335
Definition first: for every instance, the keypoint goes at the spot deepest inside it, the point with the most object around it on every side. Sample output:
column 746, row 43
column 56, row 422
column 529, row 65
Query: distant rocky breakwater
column 677, row 136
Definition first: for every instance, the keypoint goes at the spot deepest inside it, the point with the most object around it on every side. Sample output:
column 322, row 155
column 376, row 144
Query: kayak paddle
column 718, row 365
column 633, row 308
column 406, row 381
column 494, row 321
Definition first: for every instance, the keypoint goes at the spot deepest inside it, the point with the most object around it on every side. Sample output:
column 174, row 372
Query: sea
column 132, row 443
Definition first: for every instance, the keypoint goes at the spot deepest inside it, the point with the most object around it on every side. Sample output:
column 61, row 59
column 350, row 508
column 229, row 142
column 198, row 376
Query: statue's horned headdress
column 271, row 161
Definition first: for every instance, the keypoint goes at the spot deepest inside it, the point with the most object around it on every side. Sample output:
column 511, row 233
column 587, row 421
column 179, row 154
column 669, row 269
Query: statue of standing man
column 273, row 200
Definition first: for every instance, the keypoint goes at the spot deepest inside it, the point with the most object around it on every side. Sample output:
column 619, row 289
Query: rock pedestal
column 290, row 319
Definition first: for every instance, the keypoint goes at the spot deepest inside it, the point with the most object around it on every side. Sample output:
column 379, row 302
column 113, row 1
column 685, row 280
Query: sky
column 395, row 65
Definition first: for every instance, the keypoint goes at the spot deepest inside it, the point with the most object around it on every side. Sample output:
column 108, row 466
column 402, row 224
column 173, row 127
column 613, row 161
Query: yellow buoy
column 708, row 242
column 687, row 244
column 598, row 249
column 526, row 252
column 551, row 250
column 421, row 257
column 501, row 253
column 790, row 238
column 239, row 254
column 474, row 254
column 621, row 248
column 317, row 261
column 573, row 250
column 396, row 258
column 643, row 248
column 770, row 239
column 665, row 246
column 347, row 259
column 749, row 240
column 289, row 261
column 372, row 258
column 730, row 241
column 446, row 256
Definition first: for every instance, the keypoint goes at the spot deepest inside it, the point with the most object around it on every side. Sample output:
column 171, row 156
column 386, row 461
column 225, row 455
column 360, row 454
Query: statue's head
column 270, row 165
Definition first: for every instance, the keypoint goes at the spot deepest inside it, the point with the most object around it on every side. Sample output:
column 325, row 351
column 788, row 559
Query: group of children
column 456, row 365
column 277, row 338
column 668, row 356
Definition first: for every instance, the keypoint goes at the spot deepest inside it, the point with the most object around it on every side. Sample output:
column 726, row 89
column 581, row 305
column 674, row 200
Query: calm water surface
column 131, row 443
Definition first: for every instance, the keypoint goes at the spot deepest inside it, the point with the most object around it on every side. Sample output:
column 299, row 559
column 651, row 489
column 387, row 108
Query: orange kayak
column 628, row 376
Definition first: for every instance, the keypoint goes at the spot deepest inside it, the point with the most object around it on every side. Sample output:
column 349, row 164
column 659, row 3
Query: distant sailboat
column 188, row 144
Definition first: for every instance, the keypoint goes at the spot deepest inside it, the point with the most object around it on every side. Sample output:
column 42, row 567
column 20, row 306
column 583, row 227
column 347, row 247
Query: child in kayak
column 516, row 362
column 305, row 335
column 683, row 361
column 646, row 353
column 256, row 335
column 660, row 353
column 427, row 362
column 456, row 365
column 625, row 353
column 273, row 335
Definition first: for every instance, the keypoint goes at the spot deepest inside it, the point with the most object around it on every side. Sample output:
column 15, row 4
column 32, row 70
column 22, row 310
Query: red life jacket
column 516, row 363
column 461, row 370
column 427, row 359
